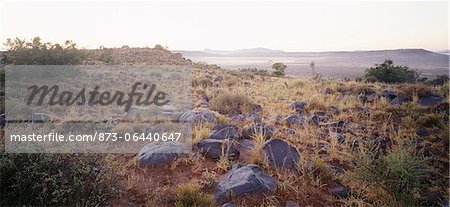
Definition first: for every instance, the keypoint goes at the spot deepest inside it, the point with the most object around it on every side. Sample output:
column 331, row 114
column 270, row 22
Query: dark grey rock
column 298, row 106
column 335, row 109
column 294, row 120
column 198, row 116
column 280, row 154
column 238, row 118
column 291, row 204
column 338, row 190
column 157, row 154
column 366, row 97
column 214, row 148
column 255, row 117
column 389, row 95
column 316, row 119
column 39, row 117
column 422, row 132
column 228, row 205
column 336, row 169
column 256, row 108
column 224, row 131
column 400, row 100
column 289, row 131
column 266, row 130
column 430, row 100
column 339, row 137
column 242, row 180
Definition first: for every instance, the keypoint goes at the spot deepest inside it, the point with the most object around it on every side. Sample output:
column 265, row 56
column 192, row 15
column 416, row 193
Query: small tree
column 279, row 69
column 389, row 73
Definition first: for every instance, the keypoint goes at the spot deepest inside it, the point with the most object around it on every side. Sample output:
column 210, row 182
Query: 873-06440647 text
column 97, row 137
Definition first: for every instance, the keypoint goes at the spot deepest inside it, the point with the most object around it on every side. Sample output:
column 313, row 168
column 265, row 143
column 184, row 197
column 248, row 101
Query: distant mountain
column 241, row 52
column 333, row 63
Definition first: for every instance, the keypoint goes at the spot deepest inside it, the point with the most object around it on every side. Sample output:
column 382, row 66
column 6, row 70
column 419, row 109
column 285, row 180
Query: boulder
column 291, row 204
column 400, row 100
column 294, row 120
column 422, row 132
column 266, row 130
column 198, row 116
column 367, row 96
column 214, row 148
column 157, row 154
column 338, row 190
column 389, row 95
column 339, row 137
column 430, row 100
column 39, row 117
column 280, row 154
column 256, row 108
column 237, row 118
column 224, row 131
column 255, row 117
column 242, row 180
column 298, row 106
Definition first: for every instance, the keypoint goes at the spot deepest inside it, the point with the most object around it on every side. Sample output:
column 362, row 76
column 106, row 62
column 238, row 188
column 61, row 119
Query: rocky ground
column 260, row 140
column 295, row 141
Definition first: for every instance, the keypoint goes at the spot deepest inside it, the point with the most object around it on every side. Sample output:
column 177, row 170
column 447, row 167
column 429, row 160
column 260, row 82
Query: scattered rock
column 298, row 106
column 336, row 169
column 256, row 108
column 422, row 132
column 168, row 110
column 242, row 180
column 214, row 148
column 367, row 96
column 228, row 205
column 224, row 131
column 294, row 120
column 400, row 100
column 237, row 118
column 389, row 95
column 291, row 204
column 156, row 154
column 430, row 100
column 198, row 116
column 338, row 190
column 339, row 137
column 39, row 117
column 335, row 109
column 266, row 130
column 289, row 131
column 255, row 117
column 281, row 154
column 316, row 119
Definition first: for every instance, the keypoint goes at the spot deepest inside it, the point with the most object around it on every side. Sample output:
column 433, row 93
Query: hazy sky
column 290, row 26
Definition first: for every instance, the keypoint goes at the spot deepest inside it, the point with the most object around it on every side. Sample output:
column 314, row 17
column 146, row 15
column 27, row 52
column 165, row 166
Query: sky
column 196, row 25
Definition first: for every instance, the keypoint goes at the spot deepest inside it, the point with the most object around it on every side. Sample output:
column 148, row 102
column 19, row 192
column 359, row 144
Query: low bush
column 55, row 180
column 387, row 72
column 228, row 103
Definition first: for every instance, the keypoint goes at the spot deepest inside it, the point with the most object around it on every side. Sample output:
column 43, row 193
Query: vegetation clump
column 387, row 72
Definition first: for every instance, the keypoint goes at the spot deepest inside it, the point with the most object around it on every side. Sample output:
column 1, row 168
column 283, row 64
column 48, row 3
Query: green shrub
column 35, row 52
column 255, row 71
column 389, row 73
column 402, row 174
column 279, row 69
column 55, row 180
